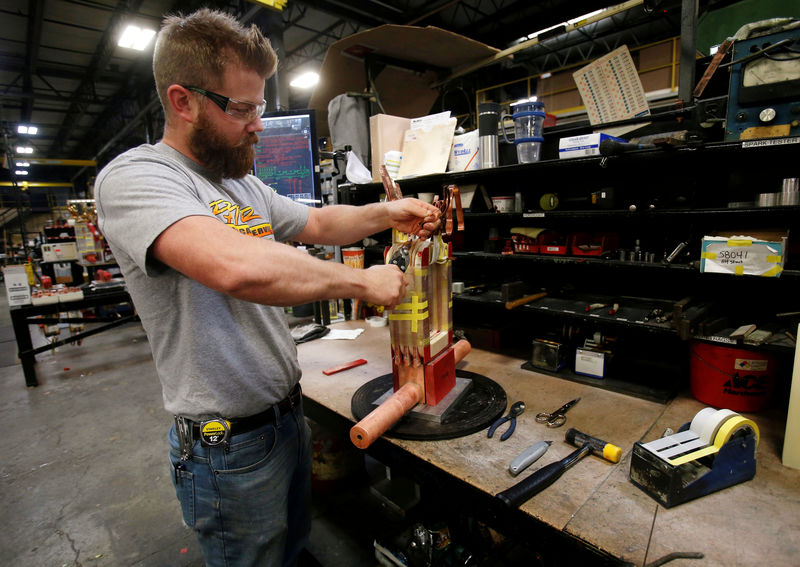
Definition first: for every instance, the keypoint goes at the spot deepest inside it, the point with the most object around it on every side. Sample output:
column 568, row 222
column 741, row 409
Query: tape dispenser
column 717, row 449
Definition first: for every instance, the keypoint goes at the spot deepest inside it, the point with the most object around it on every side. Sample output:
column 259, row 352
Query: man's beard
column 217, row 155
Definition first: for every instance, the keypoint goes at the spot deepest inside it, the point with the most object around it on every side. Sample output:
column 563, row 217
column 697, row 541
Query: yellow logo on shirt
column 239, row 218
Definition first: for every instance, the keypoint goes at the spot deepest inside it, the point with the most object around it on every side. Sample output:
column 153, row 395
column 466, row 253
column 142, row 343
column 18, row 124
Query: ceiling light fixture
column 306, row 80
column 24, row 150
column 23, row 164
column 563, row 24
column 21, row 172
column 136, row 38
column 30, row 130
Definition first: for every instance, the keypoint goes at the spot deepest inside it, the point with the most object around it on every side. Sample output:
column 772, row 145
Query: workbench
column 593, row 504
column 23, row 316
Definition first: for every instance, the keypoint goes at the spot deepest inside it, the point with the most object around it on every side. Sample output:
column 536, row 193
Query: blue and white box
column 584, row 145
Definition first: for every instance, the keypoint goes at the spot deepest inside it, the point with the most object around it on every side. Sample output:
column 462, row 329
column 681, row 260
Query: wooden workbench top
column 755, row 521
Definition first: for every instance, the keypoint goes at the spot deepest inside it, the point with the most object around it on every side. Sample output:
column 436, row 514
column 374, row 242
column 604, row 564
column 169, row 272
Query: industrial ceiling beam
column 34, row 38
column 100, row 59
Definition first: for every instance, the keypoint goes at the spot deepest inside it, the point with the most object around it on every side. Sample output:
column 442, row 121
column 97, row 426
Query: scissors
column 556, row 418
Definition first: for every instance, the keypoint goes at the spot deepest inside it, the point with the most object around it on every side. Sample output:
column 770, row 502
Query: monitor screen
column 287, row 155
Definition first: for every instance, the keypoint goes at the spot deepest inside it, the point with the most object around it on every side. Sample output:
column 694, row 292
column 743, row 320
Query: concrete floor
column 84, row 479
column 84, row 476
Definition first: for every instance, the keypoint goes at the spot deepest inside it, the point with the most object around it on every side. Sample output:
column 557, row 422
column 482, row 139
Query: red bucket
column 733, row 378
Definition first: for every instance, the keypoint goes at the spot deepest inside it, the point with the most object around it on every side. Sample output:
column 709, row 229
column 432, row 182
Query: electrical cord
column 761, row 52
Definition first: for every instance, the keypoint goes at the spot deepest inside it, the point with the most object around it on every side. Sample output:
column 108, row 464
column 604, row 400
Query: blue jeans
column 249, row 505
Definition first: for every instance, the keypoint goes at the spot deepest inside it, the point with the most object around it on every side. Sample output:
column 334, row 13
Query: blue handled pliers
column 516, row 409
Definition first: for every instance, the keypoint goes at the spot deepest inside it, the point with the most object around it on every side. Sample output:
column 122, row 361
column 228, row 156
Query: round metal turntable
column 477, row 401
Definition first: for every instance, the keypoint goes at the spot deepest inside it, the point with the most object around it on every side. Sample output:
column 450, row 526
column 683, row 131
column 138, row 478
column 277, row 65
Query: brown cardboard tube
column 379, row 420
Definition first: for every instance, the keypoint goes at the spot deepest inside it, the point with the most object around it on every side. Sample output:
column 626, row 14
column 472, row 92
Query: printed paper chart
column 611, row 89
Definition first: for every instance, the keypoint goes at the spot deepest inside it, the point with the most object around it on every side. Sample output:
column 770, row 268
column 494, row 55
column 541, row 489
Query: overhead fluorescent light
column 566, row 24
column 24, row 129
column 21, row 172
column 136, row 38
column 23, row 164
column 278, row 5
column 24, row 150
column 306, row 80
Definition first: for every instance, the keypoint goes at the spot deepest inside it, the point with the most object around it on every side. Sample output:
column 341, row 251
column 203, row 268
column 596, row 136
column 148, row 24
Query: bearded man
column 210, row 288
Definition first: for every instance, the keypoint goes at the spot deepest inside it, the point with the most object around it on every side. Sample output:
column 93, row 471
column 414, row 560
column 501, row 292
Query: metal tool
column 516, row 409
column 401, row 257
column 528, row 457
column 548, row 474
column 556, row 418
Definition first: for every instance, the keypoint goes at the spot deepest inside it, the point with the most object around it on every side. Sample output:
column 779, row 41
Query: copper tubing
column 364, row 433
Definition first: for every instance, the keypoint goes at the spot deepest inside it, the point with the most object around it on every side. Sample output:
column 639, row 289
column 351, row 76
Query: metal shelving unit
column 662, row 197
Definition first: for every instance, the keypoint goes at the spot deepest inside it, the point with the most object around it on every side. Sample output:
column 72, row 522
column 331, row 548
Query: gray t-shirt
column 215, row 355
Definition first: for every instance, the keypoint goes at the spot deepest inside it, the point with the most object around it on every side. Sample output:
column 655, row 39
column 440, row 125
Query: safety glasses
column 239, row 109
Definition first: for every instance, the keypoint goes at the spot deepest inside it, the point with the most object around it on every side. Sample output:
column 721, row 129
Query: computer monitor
column 287, row 155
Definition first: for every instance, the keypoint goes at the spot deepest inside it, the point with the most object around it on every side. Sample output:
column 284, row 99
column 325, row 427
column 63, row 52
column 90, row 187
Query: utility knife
column 528, row 457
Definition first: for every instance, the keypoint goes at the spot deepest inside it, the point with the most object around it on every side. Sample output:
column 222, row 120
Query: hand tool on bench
column 556, row 418
column 548, row 474
column 528, row 457
column 516, row 409
column 717, row 449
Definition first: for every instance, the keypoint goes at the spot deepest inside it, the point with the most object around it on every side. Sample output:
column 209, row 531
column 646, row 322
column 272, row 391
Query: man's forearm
column 343, row 224
column 264, row 271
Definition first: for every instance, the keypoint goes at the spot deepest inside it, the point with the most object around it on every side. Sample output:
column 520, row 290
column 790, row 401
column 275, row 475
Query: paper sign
column 611, row 89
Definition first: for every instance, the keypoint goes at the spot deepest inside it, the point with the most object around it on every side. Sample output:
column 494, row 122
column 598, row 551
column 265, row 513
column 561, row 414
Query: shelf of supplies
column 631, row 313
column 547, row 259
column 778, row 151
column 747, row 215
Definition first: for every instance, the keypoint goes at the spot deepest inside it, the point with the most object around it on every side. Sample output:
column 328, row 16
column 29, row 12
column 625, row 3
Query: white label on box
column 741, row 256
column 589, row 362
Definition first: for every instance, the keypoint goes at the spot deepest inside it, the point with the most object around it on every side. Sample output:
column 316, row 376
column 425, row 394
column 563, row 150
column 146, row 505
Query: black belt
column 244, row 424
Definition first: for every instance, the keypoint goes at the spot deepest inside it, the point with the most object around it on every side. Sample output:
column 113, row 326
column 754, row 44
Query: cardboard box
column 17, row 289
column 386, row 134
column 584, row 145
column 403, row 91
column 746, row 253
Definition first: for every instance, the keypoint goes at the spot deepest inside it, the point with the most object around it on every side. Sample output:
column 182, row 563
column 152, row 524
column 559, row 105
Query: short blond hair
column 194, row 50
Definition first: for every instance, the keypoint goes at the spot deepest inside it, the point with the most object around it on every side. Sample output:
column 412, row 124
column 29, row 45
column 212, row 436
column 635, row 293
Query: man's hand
column 413, row 216
column 386, row 285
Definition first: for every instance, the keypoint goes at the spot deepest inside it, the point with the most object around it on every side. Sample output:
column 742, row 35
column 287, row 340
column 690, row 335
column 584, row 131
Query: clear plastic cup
column 528, row 119
column 528, row 152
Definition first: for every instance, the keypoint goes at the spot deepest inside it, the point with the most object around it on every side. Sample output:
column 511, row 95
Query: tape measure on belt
column 215, row 432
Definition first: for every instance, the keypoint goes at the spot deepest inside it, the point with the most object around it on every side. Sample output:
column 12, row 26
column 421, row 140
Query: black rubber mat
column 476, row 409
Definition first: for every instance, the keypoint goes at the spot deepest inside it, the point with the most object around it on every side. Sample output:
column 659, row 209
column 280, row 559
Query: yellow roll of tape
column 733, row 426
